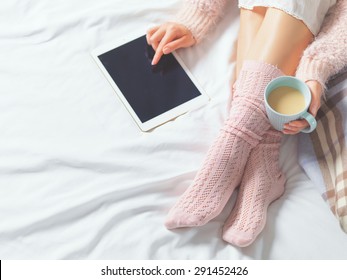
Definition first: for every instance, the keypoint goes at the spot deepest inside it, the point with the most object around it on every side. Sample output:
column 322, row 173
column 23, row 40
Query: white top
column 311, row 12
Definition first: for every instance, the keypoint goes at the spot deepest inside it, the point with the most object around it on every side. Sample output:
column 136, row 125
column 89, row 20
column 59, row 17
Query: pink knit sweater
column 200, row 15
column 326, row 55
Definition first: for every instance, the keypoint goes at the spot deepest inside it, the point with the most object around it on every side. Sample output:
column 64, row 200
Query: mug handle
column 311, row 120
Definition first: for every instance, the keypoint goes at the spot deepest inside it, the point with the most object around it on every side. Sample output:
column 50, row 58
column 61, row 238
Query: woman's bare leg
column 224, row 164
column 250, row 22
column 280, row 41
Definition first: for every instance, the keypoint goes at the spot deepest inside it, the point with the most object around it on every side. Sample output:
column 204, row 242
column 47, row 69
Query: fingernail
column 166, row 50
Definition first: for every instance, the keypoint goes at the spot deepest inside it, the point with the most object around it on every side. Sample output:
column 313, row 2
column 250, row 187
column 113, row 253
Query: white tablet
column 153, row 95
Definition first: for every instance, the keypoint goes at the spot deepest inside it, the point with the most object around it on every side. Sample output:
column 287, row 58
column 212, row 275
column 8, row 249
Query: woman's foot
column 262, row 183
column 223, row 167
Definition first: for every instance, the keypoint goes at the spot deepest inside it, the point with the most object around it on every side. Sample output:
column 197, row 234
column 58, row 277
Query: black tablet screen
column 150, row 90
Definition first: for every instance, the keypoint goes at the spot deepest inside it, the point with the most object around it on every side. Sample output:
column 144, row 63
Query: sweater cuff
column 196, row 20
column 312, row 69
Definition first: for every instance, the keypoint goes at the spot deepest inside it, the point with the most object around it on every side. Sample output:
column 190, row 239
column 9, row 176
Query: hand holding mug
column 288, row 99
column 296, row 126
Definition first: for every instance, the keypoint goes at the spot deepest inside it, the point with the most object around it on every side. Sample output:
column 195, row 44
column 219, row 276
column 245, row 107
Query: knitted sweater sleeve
column 327, row 54
column 200, row 15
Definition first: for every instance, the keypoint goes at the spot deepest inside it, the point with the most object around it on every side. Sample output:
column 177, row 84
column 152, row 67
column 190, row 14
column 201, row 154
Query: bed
column 79, row 180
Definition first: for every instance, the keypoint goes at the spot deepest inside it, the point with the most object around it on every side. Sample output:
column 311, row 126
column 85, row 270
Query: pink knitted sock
column 262, row 183
column 223, row 167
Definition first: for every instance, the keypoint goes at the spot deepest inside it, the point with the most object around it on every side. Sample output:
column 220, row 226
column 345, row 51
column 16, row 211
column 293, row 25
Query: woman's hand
column 168, row 37
column 295, row 127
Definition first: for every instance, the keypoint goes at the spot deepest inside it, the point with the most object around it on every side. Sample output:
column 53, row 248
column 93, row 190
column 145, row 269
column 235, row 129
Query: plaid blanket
column 323, row 153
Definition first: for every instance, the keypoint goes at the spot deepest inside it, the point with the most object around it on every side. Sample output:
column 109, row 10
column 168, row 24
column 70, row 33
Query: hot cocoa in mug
column 287, row 99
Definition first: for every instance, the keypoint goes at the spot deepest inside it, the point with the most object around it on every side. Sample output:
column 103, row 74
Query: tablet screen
column 150, row 90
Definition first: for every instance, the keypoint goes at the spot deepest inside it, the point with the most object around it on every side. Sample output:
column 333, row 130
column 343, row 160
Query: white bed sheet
column 78, row 180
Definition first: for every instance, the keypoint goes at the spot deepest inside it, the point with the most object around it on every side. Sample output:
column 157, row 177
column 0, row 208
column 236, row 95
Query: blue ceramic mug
column 277, row 119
